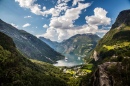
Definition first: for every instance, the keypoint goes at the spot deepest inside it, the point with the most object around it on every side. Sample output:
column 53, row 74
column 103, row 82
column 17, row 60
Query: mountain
column 52, row 44
column 116, row 40
column 17, row 70
column 112, row 56
column 79, row 45
column 30, row 45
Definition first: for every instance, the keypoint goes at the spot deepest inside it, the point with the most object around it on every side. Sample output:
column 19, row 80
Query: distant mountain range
column 30, row 45
column 79, row 45
column 52, row 44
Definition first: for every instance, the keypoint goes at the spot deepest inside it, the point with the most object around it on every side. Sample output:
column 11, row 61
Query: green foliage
column 16, row 70
column 82, row 44
column 122, row 35
column 85, row 80
column 114, row 47
column 74, row 82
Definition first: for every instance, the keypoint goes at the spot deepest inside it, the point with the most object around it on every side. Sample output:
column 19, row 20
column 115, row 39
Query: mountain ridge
column 112, row 55
column 30, row 45
column 17, row 70
column 80, row 45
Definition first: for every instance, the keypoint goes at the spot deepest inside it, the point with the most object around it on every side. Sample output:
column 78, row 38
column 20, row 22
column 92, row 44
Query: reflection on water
column 70, row 60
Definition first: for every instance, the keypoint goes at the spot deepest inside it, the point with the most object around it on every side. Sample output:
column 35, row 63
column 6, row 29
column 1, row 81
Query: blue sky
column 60, row 19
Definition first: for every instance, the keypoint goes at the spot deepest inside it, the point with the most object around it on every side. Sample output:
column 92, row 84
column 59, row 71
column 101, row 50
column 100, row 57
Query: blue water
column 70, row 60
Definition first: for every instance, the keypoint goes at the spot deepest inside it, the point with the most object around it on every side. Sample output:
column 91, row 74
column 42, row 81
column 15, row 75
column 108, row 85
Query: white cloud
column 60, row 7
column 44, row 8
column 76, row 1
column 61, row 1
column 45, row 26
column 99, row 17
column 26, row 25
column 25, row 3
column 66, row 21
column 27, row 16
column 16, row 26
column 62, row 34
column 35, row 8
column 51, row 33
column 62, row 26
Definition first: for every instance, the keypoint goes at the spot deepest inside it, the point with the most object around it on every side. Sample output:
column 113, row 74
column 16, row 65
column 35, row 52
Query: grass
column 88, row 66
column 82, row 71
column 86, row 71
column 118, row 45
column 37, row 62
column 108, row 47
column 71, row 72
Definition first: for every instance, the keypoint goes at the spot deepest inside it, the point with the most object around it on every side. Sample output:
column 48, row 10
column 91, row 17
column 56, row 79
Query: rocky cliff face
column 102, row 77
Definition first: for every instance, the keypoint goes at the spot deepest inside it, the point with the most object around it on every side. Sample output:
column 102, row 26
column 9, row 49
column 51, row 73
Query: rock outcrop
column 102, row 77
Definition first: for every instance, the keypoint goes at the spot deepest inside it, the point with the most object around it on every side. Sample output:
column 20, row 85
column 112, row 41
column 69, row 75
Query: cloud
column 35, row 8
column 99, row 17
column 26, row 25
column 44, row 8
column 62, row 19
column 56, row 11
column 62, row 27
column 25, row 3
column 27, row 16
column 66, row 21
column 16, row 26
column 45, row 26
column 62, row 34
column 75, row 2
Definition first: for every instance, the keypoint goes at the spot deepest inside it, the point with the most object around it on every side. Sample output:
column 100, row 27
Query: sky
column 58, row 20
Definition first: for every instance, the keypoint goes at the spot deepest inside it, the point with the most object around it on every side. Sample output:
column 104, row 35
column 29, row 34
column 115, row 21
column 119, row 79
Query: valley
column 75, row 49
column 81, row 60
column 77, row 71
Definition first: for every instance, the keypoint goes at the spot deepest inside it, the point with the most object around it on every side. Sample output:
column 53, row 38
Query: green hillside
column 112, row 56
column 116, row 41
column 16, row 70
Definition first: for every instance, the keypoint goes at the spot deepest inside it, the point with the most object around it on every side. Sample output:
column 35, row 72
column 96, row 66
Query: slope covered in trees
column 16, row 70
